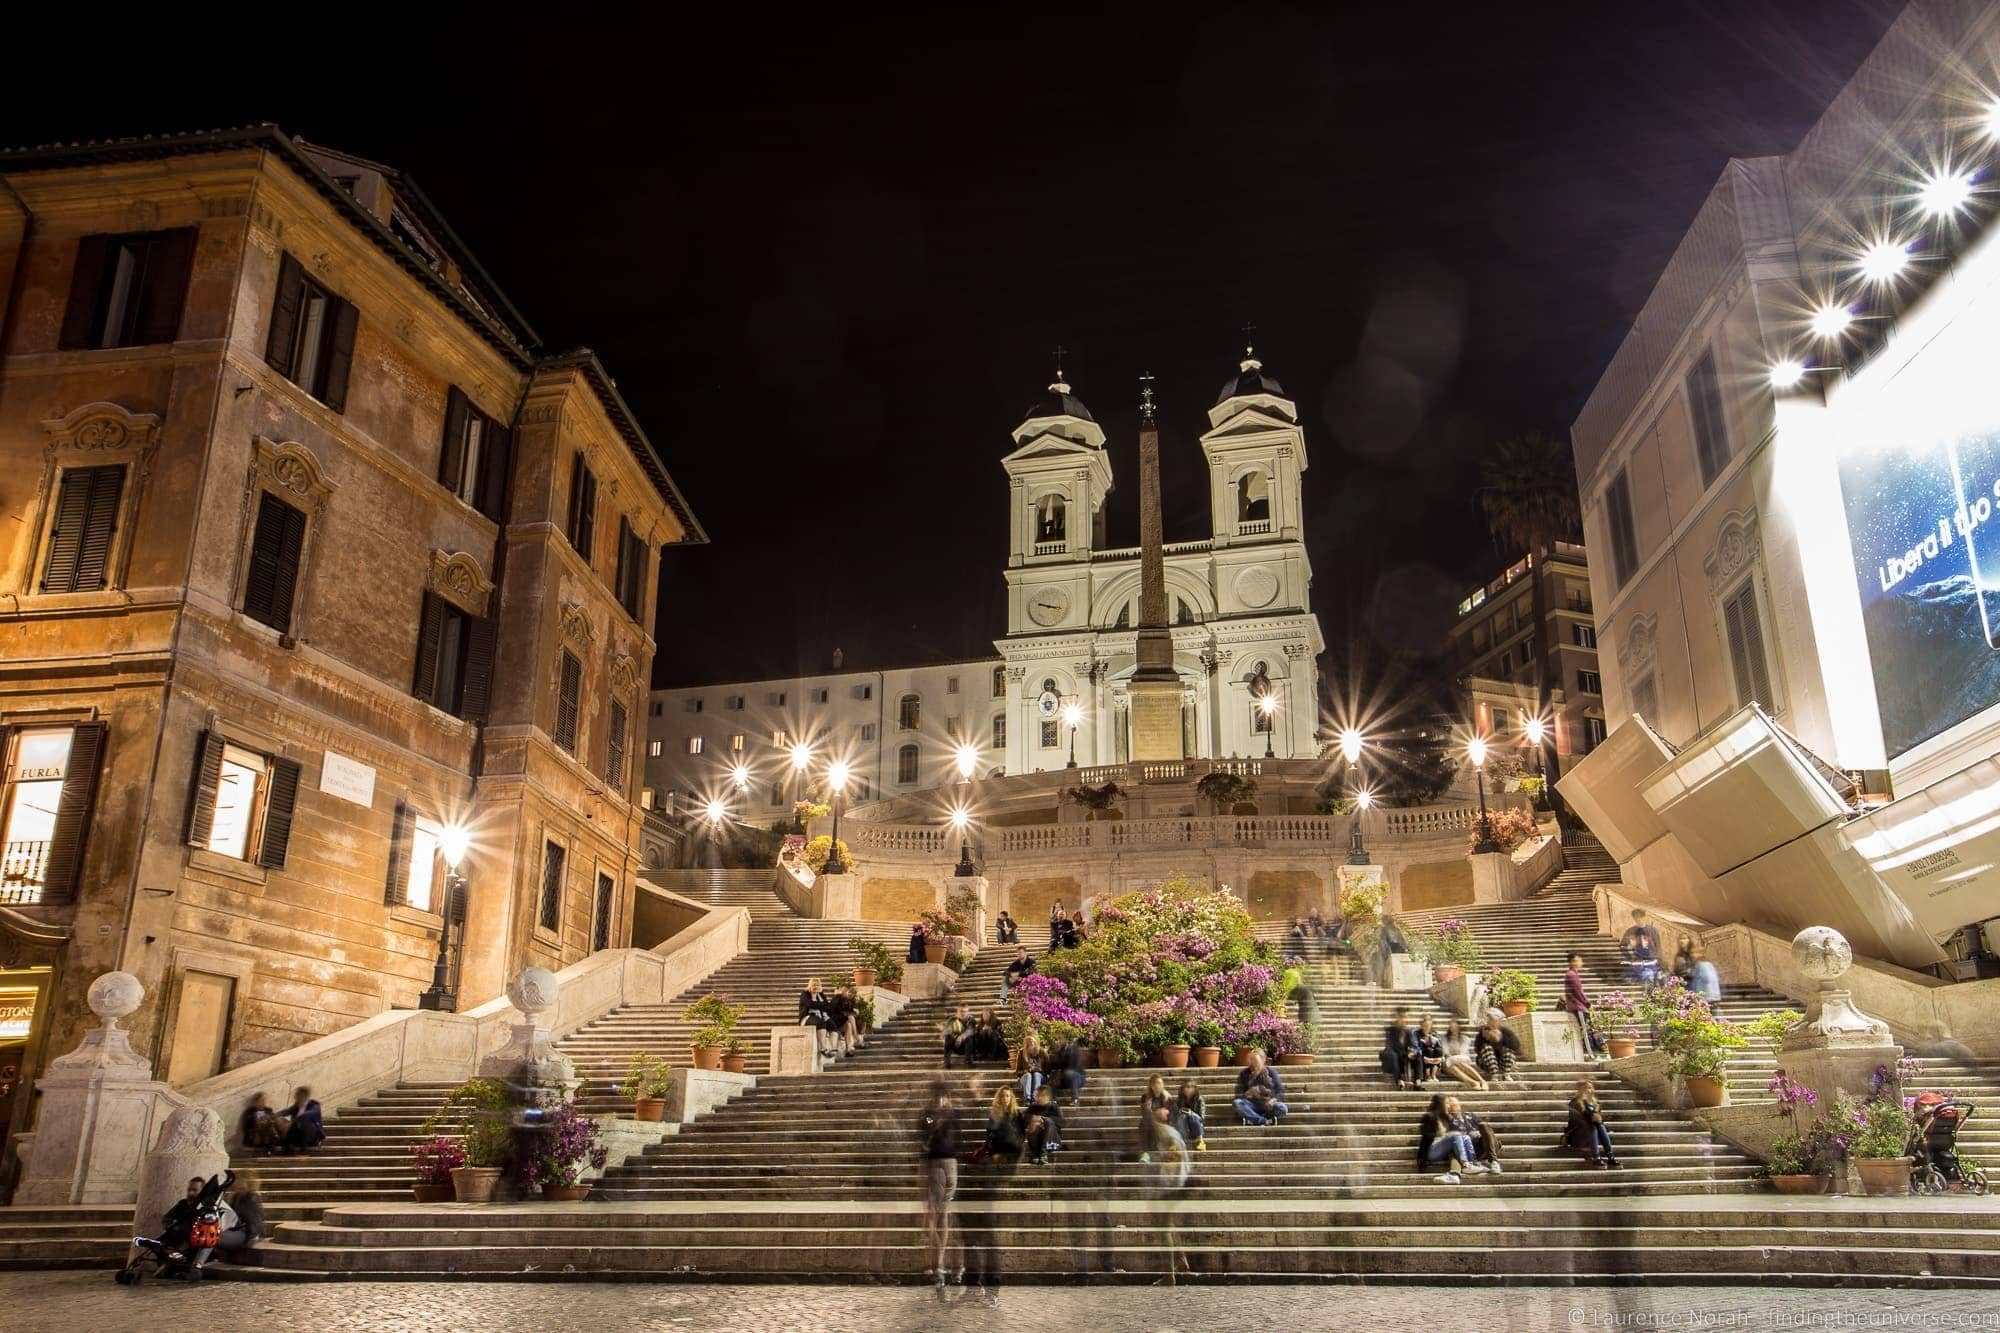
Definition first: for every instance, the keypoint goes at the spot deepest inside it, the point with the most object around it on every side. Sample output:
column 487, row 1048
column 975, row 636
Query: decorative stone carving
column 1735, row 546
column 576, row 624
column 1823, row 954
column 529, row 1060
column 190, row 1144
column 456, row 577
column 101, row 427
column 292, row 467
column 533, row 991
column 107, row 1047
column 1638, row 646
column 624, row 674
column 1256, row 587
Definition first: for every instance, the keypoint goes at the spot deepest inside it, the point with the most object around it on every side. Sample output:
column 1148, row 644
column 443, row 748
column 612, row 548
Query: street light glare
column 454, row 840
column 1475, row 750
column 715, row 811
column 1884, row 260
column 801, row 756
column 836, row 775
column 1350, row 745
column 1071, row 715
column 1945, row 192
column 1830, row 321
column 968, row 759
column 1364, row 798
column 1536, row 730
column 1268, row 705
column 960, row 818
column 741, row 775
column 1992, row 119
column 1787, row 373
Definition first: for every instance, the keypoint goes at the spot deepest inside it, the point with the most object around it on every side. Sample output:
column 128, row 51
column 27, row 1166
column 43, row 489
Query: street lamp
column 1537, row 730
column 1268, row 706
column 968, row 761
column 740, row 775
column 1072, row 716
column 1475, row 749
column 1351, row 742
column 453, row 841
column 961, row 819
column 801, row 756
column 836, row 778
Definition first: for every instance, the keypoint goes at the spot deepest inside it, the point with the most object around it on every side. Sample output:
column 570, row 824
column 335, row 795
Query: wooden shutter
column 430, row 633
column 72, row 828
column 396, row 892
column 285, row 316
column 550, row 913
column 582, row 506
column 163, row 288
column 451, row 459
column 99, row 524
column 600, row 935
column 340, row 354
column 624, row 575
column 567, row 699
column 201, row 796
column 66, row 536
column 614, row 748
column 1746, row 647
column 79, row 326
column 274, row 563
column 496, row 465
column 281, row 795
column 481, row 637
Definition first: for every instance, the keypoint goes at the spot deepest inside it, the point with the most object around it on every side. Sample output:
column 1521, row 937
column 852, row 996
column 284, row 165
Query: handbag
column 205, row 1233
column 979, row 1154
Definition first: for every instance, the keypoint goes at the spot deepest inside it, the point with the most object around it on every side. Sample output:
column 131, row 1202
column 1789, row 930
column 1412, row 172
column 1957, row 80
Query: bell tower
column 1058, row 477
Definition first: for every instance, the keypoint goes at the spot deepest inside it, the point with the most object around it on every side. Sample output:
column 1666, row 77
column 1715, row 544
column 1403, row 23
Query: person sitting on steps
column 1064, row 1068
column 1496, row 1049
column 1191, row 1115
column 259, row 1126
column 1005, row 931
column 1439, row 1144
column 1151, row 1102
column 846, row 1019
column 958, row 1030
column 917, row 939
column 1401, row 1060
column 1023, row 965
column 1041, row 1122
column 816, row 1013
column 1640, row 947
column 305, row 1127
column 1585, row 1132
column 1458, row 1057
column 1003, row 1127
column 1032, row 1062
column 1485, row 1143
column 989, row 1041
column 1429, row 1050
column 1260, row 1093
column 1316, row 924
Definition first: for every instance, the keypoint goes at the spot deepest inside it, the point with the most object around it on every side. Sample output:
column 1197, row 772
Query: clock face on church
column 1048, row 606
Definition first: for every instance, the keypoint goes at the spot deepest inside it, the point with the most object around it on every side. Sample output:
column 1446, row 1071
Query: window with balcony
column 45, row 810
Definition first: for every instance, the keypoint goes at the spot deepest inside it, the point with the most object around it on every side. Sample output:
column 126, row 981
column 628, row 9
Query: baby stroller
column 1935, row 1165
column 172, row 1254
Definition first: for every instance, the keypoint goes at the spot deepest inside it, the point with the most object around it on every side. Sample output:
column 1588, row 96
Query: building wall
column 1491, row 646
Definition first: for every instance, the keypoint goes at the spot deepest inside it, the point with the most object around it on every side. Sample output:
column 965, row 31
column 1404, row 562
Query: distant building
column 311, row 554
column 1492, row 651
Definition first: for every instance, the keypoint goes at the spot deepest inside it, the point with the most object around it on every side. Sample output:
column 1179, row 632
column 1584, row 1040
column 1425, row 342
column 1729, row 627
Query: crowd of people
column 1646, row 965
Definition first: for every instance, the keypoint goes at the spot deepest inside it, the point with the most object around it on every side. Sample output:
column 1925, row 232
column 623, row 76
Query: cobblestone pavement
column 32, row 1302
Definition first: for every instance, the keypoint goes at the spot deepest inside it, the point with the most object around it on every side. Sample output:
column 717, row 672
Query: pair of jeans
column 1189, row 1125
column 1248, row 1110
column 1452, row 1146
column 1600, row 1143
column 1030, row 1081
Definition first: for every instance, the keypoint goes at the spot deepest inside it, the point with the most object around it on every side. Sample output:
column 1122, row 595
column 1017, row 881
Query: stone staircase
column 748, row 889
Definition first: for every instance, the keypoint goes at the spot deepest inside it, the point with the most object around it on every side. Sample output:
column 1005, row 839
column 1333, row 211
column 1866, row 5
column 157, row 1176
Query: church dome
column 1057, row 401
column 1249, row 379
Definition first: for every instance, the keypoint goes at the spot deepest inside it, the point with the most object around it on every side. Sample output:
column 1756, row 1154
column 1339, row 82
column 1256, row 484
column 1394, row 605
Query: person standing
column 938, row 1132
column 1152, row 1103
column 1576, row 1003
column 917, row 941
column 1706, row 982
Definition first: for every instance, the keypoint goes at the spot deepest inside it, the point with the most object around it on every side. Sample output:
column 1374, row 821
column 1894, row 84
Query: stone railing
column 1422, row 819
column 926, row 839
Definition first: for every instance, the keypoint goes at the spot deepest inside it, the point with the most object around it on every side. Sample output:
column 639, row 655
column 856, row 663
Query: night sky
column 827, row 257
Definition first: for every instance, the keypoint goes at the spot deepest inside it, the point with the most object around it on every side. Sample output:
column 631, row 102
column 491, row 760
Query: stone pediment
column 1052, row 445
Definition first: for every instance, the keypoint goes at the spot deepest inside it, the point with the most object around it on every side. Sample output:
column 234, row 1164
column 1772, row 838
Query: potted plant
column 1512, row 989
column 437, row 1157
column 1360, row 903
column 1098, row 802
column 1451, row 949
column 1801, row 1163
column 1697, row 1048
column 1616, row 1018
column 735, row 1054
column 480, row 1112
column 1509, row 829
column 816, row 852
column 560, row 1149
column 647, row 1083
column 716, row 1018
column 1205, row 1033
column 1229, row 791
column 1880, row 1145
column 864, row 1013
column 879, row 964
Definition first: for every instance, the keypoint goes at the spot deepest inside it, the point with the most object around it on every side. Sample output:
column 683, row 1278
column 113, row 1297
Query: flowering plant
column 1616, row 1014
column 1092, row 798
column 1511, row 983
column 808, row 810
column 1450, row 945
column 437, row 1157
column 816, row 850
column 560, row 1148
column 1363, row 900
column 1698, row 1046
column 1793, row 1153
column 1509, row 828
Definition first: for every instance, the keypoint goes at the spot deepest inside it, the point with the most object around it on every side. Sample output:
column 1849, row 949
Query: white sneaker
column 1475, row 1169
column 1448, row 1178
column 1497, row 1169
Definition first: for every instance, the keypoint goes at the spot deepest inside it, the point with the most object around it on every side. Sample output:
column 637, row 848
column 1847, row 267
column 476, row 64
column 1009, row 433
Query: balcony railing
column 1252, row 529
column 1051, row 548
column 23, row 869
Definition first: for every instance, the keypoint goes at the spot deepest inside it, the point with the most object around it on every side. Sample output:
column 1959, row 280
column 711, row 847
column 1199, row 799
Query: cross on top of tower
column 1062, row 381
column 1146, row 395
column 1250, row 361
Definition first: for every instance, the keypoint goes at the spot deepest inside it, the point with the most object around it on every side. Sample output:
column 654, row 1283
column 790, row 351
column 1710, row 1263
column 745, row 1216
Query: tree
column 1529, row 496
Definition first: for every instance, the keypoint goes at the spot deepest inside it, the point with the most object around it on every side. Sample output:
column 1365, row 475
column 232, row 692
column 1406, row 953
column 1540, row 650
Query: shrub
column 437, row 1157
column 878, row 958
column 557, row 1149
column 649, row 1077
column 1616, row 1014
column 1883, row 1130
column 1225, row 789
column 480, row 1113
column 1092, row 798
column 1363, row 900
column 1698, row 1046
column 716, row 1015
column 1451, row 945
column 1510, row 983
column 816, row 850
column 1510, row 828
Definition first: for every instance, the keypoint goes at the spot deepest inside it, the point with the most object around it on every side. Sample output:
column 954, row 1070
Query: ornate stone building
column 310, row 555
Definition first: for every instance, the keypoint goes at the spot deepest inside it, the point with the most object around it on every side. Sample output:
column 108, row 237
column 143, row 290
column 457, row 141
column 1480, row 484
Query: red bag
column 205, row 1233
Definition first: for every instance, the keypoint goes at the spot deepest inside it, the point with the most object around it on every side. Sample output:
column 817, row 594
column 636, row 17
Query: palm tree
column 1529, row 496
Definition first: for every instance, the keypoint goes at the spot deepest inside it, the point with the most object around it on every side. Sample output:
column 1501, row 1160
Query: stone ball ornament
column 1822, row 953
column 533, row 990
column 114, row 995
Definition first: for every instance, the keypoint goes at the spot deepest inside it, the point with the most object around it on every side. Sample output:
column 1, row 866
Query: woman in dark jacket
column 1401, row 1059
column 1041, row 1124
column 1064, row 1067
column 305, row 1127
column 817, row 1013
column 258, row 1127
column 1585, row 1132
column 917, row 938
column 1430, row 1051
column 1003, row 1127
column 249, row 1209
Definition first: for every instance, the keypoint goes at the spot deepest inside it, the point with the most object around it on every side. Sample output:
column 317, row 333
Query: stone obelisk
column 1154, row 693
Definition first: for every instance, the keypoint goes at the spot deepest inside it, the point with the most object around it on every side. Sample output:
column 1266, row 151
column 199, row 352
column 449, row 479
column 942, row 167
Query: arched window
column 1253, row 498
column 906, row 765
column 909, row 713
column 1124, row 617
column 1259, row 681
column 1183, row 613
column 1051, row 518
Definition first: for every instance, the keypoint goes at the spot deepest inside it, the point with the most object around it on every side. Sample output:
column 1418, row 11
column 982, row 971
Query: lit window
column 1589, row 682
column 235, row 802
column 951, row 684
column 999, row 731
column 423, row 864
column 867, row 731
column 653, row 749
column 906, row 765
column 694, row 745
column 909, row 713
column 736, row 742
column 34, row 789
column 1585, row 635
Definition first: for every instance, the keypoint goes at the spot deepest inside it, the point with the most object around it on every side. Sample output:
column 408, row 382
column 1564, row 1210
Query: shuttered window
column 402, row 829
column 614, row 748
column 241, row 803
column 1711, row 430
column 549, row 912
column 632, row 559
column 311, row 341
column 454, row 659
column 1746, row 648
column 127, row 291
column 274, row 563
column 49, row 792
column 85, row 519
column 567, row 701
column 1624, row 539
column 475, row 457
column 582, row 506
column 600, row 930
column 906, row 765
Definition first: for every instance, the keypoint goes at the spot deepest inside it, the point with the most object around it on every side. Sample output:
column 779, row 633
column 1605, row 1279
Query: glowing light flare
column 1268, row 704
column 1537, row 730
column 1883, row 260
column 968, row 760
column 1830, row 321
column 837, row 774
column 740, row 775
column 1787, row 373
column 1992, row 119
column 1475, row 750
column 801, row 756
column 1350, row 745
column 1071, row 715
column 1364, row 798
column 960, row 818
column 454, row 840
column 1945, row 192
column 715, row 810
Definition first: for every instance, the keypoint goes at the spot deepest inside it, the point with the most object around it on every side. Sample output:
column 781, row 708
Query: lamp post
column 967, row 759
column 961, row 819
column 452, row 844
column 801, row 756
column 1072, row 716
column 836, row 778
column 1476, row 750
column 1537, row 729
column 1268, row 706
column 1351, row 742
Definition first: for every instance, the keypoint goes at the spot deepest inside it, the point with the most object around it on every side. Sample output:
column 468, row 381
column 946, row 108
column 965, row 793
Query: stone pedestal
column 795, row 1050
column 927, row 981
column 977, row 886
column 190, row 1145
column 1464, row 995
column 1551, row 1036
column 696, row 1092
column 100, row 1109
column 1155, row 715
column 888, row 1003
column 838, row 897
column 1406, row 973
column 530, row 1059
column 625, row 1138
column 1492, row 877
column 1837, row 1048
column 1348, row 877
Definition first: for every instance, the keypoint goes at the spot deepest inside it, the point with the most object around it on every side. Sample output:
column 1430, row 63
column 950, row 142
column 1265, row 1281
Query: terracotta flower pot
column 649, row 1108
column 1296, row 1058
column 735, row 1061
column 1207, row 1057
column 1706, row 1091
column 896, row 986
column 565, row 1193
column 864, row 976
column 1107, row 1058
column 1621, row 1047
column 1513, row 1008
column 1444, row 972
column 1243, row 1056
column 1174, row 1055
column 475, row 1184
column 934, row 950
column 1883, row 1175
column 707, row 1057
column 1801, row 1184
column 444, row 1193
